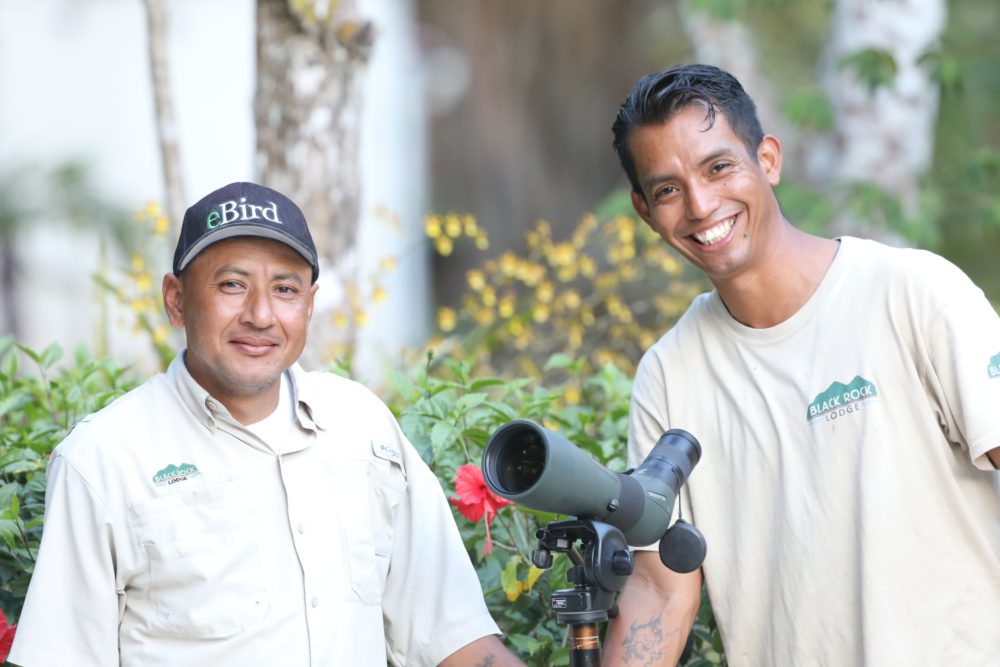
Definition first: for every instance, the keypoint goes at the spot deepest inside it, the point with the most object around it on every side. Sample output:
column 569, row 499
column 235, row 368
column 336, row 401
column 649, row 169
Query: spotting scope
column 540, row 469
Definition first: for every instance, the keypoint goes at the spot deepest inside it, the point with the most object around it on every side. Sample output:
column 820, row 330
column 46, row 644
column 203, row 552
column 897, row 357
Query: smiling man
column 238, row 510
column 844, row 396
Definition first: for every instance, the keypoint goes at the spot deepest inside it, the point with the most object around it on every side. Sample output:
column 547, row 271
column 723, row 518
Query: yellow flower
column 160, row 334
column 152, row 209
column 360, row 317
column 545, row 292
column 507, row 305
column 379, row 294
column 142, row 281
column 482, row 242
column 588, row 267
column 469, row 226
column 476, row 279
column 444, row 245
column 489, row 297
column 138, row 262
column 161, row 226
column 432, row 226
column 340, row 319
column 540, row 313
column 388, row 263
column 572, row 395
column 453, row 225
column 447, row 319
column 571, row 299
column 508, row 263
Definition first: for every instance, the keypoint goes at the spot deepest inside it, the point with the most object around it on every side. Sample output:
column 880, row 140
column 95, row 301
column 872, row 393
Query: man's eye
column 720, row 166
column 663, row 192
column 230, row 284
column 285, row 289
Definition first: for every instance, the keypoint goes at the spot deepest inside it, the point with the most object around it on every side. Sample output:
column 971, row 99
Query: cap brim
column 245, row 229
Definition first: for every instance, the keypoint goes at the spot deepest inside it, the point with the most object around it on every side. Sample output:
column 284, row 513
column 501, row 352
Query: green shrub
column 38, row 407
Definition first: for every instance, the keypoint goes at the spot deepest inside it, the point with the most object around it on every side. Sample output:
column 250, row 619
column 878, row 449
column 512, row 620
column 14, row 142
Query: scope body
column 542, row 470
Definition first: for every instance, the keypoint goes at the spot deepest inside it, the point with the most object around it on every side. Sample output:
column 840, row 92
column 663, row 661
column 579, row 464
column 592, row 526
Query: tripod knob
column 542, row 558
column 622, row 562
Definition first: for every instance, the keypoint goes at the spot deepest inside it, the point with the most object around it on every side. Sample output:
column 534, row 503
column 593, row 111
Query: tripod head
column 597, row 575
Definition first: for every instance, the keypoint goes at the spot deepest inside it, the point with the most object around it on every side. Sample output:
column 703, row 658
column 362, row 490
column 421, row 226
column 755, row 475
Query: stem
column 513, row 537
column 24, row 539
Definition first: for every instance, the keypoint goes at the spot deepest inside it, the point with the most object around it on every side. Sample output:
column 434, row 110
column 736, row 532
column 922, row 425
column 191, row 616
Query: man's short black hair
column 657, row 98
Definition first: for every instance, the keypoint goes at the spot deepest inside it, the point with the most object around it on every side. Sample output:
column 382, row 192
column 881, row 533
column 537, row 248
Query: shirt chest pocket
column 204, row 561
column 369, row 495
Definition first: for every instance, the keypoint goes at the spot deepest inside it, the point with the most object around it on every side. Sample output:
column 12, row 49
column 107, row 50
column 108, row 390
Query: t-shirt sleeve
column 433, row 602
column 70, row 616
column 964, row 351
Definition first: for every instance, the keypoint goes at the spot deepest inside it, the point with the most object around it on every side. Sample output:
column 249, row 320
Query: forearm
column 484, row 652
column 656, row 614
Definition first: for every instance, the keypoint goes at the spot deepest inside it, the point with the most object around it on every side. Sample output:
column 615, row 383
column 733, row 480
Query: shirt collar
column 209, row 411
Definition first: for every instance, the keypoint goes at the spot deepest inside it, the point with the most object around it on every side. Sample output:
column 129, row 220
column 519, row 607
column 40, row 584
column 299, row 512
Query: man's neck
column 783, row 283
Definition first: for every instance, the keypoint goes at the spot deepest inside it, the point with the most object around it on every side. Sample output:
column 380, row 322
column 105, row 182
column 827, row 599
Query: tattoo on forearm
column 487, row 661
column 646, row 643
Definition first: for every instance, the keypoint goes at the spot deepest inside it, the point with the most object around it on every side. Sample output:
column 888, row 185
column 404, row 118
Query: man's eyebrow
column 222, row 270
column 288, row 276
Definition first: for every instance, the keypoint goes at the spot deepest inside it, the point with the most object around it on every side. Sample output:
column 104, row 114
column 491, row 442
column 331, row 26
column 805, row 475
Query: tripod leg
column 585, row 649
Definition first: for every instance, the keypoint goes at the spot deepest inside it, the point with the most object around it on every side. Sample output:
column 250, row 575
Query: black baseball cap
column 243, row 209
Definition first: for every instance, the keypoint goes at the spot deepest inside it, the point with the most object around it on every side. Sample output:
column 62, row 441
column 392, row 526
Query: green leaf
column 875, row 68
column 51, row 355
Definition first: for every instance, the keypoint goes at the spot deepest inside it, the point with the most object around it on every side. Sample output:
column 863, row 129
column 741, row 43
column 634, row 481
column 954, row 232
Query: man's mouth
column 715, row 233
column 254, row 346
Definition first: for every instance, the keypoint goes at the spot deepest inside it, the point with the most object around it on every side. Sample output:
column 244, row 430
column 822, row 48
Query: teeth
column 710, row 236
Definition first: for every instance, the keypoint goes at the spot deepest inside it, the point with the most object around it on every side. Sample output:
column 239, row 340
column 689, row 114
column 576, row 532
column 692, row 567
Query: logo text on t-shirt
column 993, row 368
column 840, row 400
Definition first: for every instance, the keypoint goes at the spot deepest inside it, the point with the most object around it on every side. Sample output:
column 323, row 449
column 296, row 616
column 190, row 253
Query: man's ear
column 769, row 158
column 173, row 301
column 640, row 206
column 312, row 300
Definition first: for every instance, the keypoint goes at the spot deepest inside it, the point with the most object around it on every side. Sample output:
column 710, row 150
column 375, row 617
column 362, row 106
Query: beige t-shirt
column 175, row 536
column 851, row 514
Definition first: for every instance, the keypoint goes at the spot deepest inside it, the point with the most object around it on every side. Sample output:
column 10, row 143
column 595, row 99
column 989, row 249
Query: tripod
column 597, row 576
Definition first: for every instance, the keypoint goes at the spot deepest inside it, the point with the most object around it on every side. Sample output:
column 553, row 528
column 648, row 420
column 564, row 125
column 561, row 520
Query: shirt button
column 315, row 602
column 301, row 528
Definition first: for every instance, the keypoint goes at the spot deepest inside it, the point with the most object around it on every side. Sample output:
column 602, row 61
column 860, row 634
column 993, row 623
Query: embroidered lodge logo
column 173, row 474
column 993, row 368
column 840, row 400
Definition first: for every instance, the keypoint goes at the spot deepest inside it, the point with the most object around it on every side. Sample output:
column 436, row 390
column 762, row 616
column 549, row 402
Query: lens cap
column 683, row 548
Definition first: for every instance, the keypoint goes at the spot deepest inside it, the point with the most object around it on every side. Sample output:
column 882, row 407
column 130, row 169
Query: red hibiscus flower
column 475, row 500
column 6, row 637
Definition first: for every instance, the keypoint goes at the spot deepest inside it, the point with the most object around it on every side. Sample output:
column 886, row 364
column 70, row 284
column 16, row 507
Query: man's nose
column 702, row 200
column 257, row 310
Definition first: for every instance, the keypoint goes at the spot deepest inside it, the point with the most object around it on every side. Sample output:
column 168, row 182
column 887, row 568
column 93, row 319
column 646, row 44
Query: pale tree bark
column 883, row 137
column 310, row 67
column 166, row 122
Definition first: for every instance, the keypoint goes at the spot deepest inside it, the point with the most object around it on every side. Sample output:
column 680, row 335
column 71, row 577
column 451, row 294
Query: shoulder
column 902, row 265
column 114, row 422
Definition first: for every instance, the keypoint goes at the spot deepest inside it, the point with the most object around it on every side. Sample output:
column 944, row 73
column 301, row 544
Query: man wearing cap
column 238, row 510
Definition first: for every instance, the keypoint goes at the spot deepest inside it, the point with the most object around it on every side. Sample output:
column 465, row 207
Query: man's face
column 704, row 194
column 245, row 305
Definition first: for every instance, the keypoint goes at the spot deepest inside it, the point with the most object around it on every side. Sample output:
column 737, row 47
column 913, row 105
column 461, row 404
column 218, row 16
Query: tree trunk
column 308, row 113
column 166, row 122
column 885, row 136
